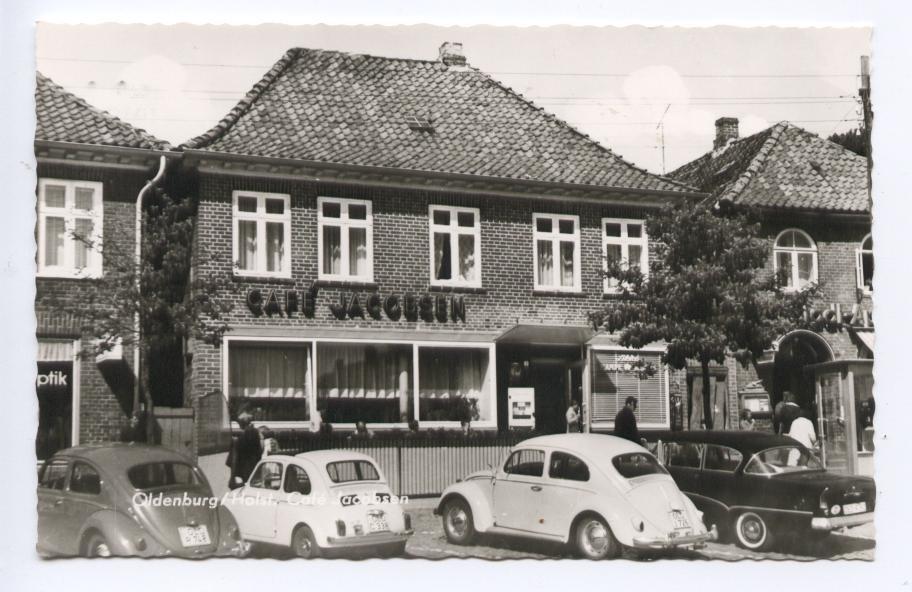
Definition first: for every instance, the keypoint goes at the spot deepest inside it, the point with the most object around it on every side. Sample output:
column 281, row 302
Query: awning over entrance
column 546, row 335
column 866, row 338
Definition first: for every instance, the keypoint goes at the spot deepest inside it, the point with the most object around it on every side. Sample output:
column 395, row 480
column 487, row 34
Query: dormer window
column 420, row 124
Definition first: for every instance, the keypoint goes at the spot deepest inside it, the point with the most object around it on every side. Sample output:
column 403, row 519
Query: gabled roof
column 64, row 117
column 335, row 107
column 783, row 167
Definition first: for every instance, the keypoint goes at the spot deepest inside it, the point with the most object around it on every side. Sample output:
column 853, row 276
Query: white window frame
column 793, row 256
column 261, row 218
column 70, row 214
column 587, row 387
column 345, row 223
column 453, row 231
column 859, row 263
column 625, row 242
column 556, row 238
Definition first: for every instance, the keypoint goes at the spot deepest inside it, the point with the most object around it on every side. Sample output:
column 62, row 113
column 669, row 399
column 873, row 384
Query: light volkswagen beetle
column 597, row 493
column 321, row 503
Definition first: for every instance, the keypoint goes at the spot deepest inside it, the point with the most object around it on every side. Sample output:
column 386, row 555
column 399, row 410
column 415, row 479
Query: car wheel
column 593, row 539
column 97, row 546
column 458, row 524
column 304, row 544
column 752, row 532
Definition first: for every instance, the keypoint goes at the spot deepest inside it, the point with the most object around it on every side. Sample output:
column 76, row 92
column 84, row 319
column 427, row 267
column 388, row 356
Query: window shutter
column 614, row 379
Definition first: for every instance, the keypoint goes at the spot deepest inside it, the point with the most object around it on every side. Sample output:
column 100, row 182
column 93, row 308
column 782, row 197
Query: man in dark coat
column 785, row 412
column 625, row 422
column 247, row 449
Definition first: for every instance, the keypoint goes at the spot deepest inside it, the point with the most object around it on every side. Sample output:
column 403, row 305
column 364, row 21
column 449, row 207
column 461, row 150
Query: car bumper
column 696, row 540
column 835, row 522
column 369, row 540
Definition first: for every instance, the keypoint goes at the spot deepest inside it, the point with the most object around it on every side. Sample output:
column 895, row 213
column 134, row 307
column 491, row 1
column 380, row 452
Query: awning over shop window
column 867, row 339
column 546, row 335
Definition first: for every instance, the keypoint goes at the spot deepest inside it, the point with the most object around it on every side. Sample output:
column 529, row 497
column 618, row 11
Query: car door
column 682, row 459
column 257, row 502
column 566, row 489
column 518, row 489
column 718, row 481
column 296, row 501
column 51, row 523
column 83, row 498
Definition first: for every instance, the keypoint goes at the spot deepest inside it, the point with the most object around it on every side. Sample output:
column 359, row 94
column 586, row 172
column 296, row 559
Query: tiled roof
column 782, row 167
column 64, row 117
column 334, row 107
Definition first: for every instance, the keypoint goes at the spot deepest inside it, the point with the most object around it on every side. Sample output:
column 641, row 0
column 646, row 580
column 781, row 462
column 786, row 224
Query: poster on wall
column 522, row 406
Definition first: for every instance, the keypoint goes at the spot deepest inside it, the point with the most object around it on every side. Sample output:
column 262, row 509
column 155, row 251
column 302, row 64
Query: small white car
column 321, row 503
column 596, row 493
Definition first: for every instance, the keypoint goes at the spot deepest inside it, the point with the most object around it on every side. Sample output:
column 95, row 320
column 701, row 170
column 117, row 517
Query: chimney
column 726, row 131
column 451, row 54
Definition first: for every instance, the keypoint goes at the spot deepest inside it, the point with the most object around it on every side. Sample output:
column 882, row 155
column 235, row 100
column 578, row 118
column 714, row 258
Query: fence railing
column 415, row 467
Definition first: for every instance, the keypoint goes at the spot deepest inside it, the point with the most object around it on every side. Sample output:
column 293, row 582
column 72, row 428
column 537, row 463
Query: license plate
column 376, row 523
column 194, row 536
column 856, row 508
column 679, row 520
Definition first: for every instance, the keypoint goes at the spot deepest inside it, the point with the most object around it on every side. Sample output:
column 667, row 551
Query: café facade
column 412, row 241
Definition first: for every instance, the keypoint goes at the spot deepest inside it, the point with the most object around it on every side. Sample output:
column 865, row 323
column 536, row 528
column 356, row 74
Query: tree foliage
column 853, row 140
column 707, row 294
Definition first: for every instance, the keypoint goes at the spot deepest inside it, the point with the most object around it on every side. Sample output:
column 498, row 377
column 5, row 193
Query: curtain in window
column 467, row 257
column 357, row 371
column 442, row 257
column 805, row 269
column 545, row 263
column 448, row 380
column 270, row 372
column 82, row 242
column 275, row 245
column 332, row 249
column 357, row 251
column 55, row 351
column 636, row 256
column 53, row 240
column 566, row 262
column 246, row 248
column 784, row 267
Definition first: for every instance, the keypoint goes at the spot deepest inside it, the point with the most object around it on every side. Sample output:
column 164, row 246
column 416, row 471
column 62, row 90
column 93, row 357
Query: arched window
column 864, row 262
column 795, row 259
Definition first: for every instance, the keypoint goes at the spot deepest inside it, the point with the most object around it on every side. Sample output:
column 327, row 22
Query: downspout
column 137, row 266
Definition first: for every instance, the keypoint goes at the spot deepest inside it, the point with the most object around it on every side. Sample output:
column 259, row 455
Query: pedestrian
column 802, row 429
column 625, row 422
column 785, row 412
column 246, row 450
column 747, row 420
column 573, row 417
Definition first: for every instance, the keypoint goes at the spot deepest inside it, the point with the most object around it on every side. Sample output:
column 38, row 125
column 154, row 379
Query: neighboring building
column 91, row 167
column 816, row 211
column 412, row 240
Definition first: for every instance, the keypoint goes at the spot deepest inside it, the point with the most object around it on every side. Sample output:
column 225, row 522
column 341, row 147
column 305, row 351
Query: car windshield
column 637, row 464
column 162, row 474
column 351, row 470
column 782, row 459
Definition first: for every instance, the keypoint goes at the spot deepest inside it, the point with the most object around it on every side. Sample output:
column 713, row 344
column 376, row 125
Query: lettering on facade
column 282, row 302
column 835, row 317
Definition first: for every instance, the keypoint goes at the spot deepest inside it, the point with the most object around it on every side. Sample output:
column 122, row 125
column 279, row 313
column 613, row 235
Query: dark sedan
column 757, row 486
column 130, row 499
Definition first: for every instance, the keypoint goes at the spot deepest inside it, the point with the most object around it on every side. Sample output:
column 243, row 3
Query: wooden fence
column 173, row 428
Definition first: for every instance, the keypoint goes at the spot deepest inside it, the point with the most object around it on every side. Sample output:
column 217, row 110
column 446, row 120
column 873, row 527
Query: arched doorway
column 795, row 352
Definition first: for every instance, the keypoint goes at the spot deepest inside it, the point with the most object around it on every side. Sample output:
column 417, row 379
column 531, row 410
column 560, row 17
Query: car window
column 54, row 475
column 782, row 459
column 721, row 458
column 344, row 471
column 530, row 463
column 268, row 475
column 162, row 474
column 567, row 466
column 683, row 454
column 296, row 480
column 85, row 479
column 637, row 464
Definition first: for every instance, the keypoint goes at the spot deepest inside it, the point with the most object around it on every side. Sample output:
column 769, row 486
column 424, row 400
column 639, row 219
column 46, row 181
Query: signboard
column 522, row 406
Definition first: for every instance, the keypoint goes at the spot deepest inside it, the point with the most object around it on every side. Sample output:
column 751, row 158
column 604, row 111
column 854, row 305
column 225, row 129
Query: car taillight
column 408, row 521
column 340, row 528
column 823, row 505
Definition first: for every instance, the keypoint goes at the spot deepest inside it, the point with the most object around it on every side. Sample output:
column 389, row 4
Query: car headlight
column 835, row 509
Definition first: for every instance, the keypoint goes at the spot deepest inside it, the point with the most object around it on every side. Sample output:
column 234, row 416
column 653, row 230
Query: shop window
column 864, row 412
column 70, row 228
column 624, row 241
column 795, row 259
column 364, row 382
column 455, row 246
column 865, row 264
column 453, row 384
column 345, row 239
column 556, row 252
column 618, row 374
column 262, row 234
column 271, row 381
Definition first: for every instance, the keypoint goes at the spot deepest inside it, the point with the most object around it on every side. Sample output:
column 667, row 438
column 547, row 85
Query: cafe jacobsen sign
column 411, row 307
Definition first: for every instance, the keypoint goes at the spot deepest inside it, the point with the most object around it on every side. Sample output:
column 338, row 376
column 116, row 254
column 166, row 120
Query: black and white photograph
column 567, row 293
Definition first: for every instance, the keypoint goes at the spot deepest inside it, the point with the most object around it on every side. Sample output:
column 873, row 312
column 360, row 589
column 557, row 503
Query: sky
column 633, row 89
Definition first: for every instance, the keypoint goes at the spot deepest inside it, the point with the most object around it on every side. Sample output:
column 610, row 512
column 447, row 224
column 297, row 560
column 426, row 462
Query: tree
column 854, row 140
column 707, row 294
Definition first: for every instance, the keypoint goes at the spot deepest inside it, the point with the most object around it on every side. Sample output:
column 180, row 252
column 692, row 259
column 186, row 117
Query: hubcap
column 456, row 521
column 102, row 550
column 595, row 538
column 752, row 530
column 304, row 545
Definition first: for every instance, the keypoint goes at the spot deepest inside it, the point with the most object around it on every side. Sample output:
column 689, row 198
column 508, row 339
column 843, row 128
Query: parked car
column 760, row 485
column 598, row 494
column 130, row 499
column 321, row 503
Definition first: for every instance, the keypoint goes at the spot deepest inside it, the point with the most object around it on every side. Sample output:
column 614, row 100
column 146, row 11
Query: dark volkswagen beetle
column 130, row 499
column 756, row 486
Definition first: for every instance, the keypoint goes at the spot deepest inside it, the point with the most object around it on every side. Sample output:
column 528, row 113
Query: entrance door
column 550, row 381
column 54, row 387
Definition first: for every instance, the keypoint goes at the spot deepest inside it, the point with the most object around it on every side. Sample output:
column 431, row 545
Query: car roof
column 118, row 455
column 594, row 446
column 747, row 442
column 327, row 456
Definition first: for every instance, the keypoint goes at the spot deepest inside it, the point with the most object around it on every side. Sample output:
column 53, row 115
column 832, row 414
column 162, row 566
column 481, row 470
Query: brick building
column 91, row 168
column 815, row 204
column 412, row 241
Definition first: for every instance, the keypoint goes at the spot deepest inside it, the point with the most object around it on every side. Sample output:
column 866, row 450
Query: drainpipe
column 137, row 266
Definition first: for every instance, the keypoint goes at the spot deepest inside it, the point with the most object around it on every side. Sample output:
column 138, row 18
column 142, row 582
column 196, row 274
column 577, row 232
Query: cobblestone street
column 429, row 542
